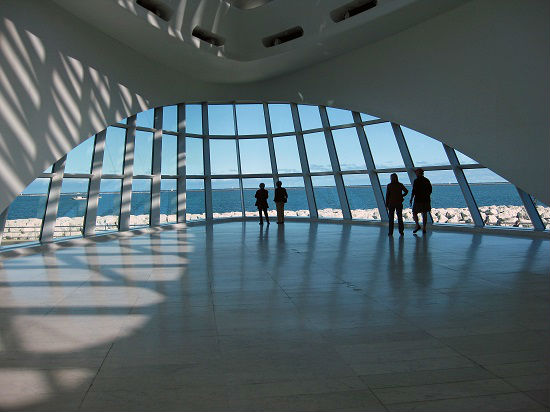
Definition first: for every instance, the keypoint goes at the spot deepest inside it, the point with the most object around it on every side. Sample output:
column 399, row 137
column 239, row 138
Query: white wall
column 475, row 78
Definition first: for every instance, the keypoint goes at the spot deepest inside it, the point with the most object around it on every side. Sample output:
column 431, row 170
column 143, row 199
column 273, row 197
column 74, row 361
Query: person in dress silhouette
column 421, row 191
column 395, row 192
column 261, row 202
column 281, row 197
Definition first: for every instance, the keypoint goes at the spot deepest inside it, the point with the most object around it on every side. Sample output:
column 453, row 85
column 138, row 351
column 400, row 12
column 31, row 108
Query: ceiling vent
column 351, row 9
column 248, row 4
column 283, row 37
column 208, row 37
column 156, row 7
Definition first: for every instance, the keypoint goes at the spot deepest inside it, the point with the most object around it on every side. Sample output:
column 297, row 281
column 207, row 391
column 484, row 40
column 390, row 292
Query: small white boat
column 79, row 197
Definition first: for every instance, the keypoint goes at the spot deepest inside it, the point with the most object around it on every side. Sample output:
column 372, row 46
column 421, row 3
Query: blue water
column 33, row 206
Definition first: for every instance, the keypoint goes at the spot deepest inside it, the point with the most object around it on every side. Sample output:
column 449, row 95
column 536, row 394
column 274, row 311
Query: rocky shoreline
column 511, row 216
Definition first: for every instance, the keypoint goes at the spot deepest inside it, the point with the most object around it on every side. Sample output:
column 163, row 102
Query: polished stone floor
column 301, row 317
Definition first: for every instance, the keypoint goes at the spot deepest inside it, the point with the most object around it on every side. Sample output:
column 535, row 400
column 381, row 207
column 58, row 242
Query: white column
column 127, row 175
column 95, row 182
column 156, row 168
column 48, row 224
column 532, row 211
column 182, row 166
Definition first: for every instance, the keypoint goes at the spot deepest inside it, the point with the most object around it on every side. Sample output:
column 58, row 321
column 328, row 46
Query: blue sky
column 254, row 152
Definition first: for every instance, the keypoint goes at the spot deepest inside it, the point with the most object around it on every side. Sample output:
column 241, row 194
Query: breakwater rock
column 514, row 216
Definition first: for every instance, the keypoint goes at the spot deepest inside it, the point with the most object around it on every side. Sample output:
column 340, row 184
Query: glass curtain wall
column 204, row 161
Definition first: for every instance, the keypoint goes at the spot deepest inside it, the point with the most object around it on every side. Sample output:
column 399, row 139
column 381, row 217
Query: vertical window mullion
column 239, row 169
column 54, row 193
column 206, row 164
column 154, row 219
column 308, row 185
column 344, row 204
column 531, row 210
column 270, row 144
column 95, row 182
column 464, row 186
column 182, row 167
column 369, row 162
column 127, row 175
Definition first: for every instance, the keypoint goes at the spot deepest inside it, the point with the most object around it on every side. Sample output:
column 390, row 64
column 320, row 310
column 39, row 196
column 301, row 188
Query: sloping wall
column 475, row 78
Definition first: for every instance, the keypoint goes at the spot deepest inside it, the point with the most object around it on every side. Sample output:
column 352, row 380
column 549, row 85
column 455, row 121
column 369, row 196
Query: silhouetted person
column 281, row 196
column 395, row 192
column 421, row 191
column 261, row 202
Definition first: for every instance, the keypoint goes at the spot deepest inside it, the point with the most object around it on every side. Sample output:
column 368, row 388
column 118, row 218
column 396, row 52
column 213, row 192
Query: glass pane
column 464, row 160
column 544, row 212
column 108, row 208
column 226, row 198
column 195, row 199
column 367, row 117
column 223, row 157
column 193, row 118
column 250, row 119
column 170, row 118
column 79, row 160
column 194, row 158
column 350, row 154
column 143, row 153
column 424, row 150
column 141, row 202
column 448, row 204
column 309, row 117
column 317, row 152
column 383, row 146
column 168, row 200
column 169, row 157
column 498, row 201
column 113, row 155
column 403, row 177
column 286, row 153
column 146, row 118
column 72, row 208
column 49, row 169
column 280, row 116
column 326, row 197
column 26, row 212
column 361, row 197
column 297, row 198
column 254, row 156
column 339, row 116
column 220, row 119
column 249, row 190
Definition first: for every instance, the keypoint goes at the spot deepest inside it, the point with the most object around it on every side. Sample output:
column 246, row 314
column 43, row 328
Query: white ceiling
column 243, row 57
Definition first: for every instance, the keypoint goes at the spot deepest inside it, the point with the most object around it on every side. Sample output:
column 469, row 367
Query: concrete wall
column 475, row 78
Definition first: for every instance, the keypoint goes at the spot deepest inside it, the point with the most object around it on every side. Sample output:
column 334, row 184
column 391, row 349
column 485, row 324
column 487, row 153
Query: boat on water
column 79, row 197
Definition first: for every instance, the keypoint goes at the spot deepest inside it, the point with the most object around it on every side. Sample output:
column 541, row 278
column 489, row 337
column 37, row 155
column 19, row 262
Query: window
column 286, row 153
column 385, row 179
column 309, row 117
column 146, row 118
column 361, row 197
column 223, row 157
column 317, row 152
column 424, row 150
column 250, row 119
column 338, row 117
column 170, row 118
column 463, row 159
column 26, row 212
column 383, row 146
column 194, row 199
column 79, row 160
column 108, row 207
column 143, row 153
column 71, row 208
column 226, row 198
column 326, row 197
column 113, row 155
column 254, row 156
column 348, row 148
column 367, row 117
column 297, row 199
column 169, row 157
column 220, row 119
column 193, row 118
column 448, row 204
column 194, row 157
column 168, row 200
column 280, row 116
column 141, row 202
column 250, row 186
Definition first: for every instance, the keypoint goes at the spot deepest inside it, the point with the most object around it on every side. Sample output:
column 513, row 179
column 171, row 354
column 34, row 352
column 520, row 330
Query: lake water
column 229, row 200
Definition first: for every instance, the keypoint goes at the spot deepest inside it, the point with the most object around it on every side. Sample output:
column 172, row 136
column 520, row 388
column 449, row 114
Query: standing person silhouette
column 421, row 191
column 395, row 192
column 261, row 202
column 281, row 196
